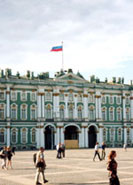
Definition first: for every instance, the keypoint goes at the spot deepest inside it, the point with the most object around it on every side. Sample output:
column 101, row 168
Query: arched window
column 48, row 111
column 79, row 112
column 70, row 111
column 111, row 114
column 2, row 136
column 119, row 114
column 24, row 135
column 33, row 135
column 92, row 113
column 104, row 114
column 14, row 135
column 61, row 111
column 48, row 96
column 128, row 114
column 23, row 112
column 13, row 111
column 33, row 112
column 2, row 111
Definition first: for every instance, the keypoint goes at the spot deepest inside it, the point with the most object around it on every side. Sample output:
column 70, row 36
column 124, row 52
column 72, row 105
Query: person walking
column 4, row 157
column 59, row 150
column 125, row 147
column 9, row 157
column 63, row 149
column 40, row 166
column 96, row 151
column 103, row 151
column 112, row 168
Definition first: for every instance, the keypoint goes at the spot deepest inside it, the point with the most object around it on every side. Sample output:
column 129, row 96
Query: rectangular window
column 13, row 96
column 118, row 100
column 61, row 97
column 103, row 99
column 13, row 114
column 2, row 97
column 23, row 96
column 33, row 96
column 111, row 100
column 1, row 114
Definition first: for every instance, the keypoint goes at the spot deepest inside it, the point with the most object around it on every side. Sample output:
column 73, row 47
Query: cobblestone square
column 76, row 168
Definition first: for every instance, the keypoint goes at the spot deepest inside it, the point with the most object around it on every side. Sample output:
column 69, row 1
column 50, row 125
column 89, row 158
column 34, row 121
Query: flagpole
column 62, row 58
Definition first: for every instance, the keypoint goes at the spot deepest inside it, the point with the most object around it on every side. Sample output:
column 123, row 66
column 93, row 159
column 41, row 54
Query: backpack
column 34, row 158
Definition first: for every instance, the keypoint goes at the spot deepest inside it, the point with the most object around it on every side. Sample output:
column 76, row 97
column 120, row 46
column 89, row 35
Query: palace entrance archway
column 71, row 137
column 92, row 136
column 49, row 137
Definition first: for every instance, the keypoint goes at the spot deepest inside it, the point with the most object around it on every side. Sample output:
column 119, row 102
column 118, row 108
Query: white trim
column 16, row 135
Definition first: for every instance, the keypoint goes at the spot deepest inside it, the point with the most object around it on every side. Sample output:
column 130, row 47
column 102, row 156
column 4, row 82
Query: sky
column 97, row 37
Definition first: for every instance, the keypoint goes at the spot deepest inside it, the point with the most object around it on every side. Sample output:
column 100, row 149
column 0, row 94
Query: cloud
column 97, row 35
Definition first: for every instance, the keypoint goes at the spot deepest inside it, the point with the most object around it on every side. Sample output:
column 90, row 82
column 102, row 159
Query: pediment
column 72, row 77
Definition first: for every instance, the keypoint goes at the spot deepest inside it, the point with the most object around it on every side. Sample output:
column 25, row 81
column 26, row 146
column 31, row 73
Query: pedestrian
column 63, row 149
column 125, row 147
column 96, row 151
column 4, row 157
column 112, row 168
column 13, row 149
column 9, row 157
column 40, row 166
column 59, row 150
column 103, row 151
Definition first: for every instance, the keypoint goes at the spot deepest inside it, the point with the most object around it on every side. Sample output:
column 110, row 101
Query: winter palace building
column 42, row 111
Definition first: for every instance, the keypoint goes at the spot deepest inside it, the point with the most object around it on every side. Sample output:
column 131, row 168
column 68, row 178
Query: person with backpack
column 40, row 166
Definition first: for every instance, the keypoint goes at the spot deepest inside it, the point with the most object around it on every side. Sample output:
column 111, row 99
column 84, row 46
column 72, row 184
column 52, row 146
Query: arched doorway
column 92, row 136
column 49, row 137
column 71, row 137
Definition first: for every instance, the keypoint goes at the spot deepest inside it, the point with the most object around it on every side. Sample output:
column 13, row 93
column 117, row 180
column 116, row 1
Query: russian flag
column 57, row 48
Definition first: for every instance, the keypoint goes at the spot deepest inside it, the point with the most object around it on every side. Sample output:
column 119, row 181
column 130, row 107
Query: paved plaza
column 77, row 168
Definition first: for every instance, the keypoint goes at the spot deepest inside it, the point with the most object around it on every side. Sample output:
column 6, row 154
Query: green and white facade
column 43, row 111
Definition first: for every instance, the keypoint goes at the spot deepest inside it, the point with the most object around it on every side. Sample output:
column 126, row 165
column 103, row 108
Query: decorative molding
column 41, row 94
column 85, row 95
column 7, row 92
column 97, row 96
column 55, row 94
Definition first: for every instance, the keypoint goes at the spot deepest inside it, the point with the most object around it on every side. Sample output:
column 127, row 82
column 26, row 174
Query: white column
column 86, row 137
column 39, row 105
column 75, row 108
column 8, row 115
column 131, row 104
column 125, row 133
column 8, row 134
column 8, row 102
column 66, row 106
column 56, row 103
column 55, row 138
column 80, row 139
column 85, row 101
column 82, row 134
column 43, row 106
column 96, row 103
column 100, row 107
column 58, row 135
column 100, row 134
column 62, row 134
column 38, row 136
column 41, row 135
column 124, row 103
column 131, row 133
